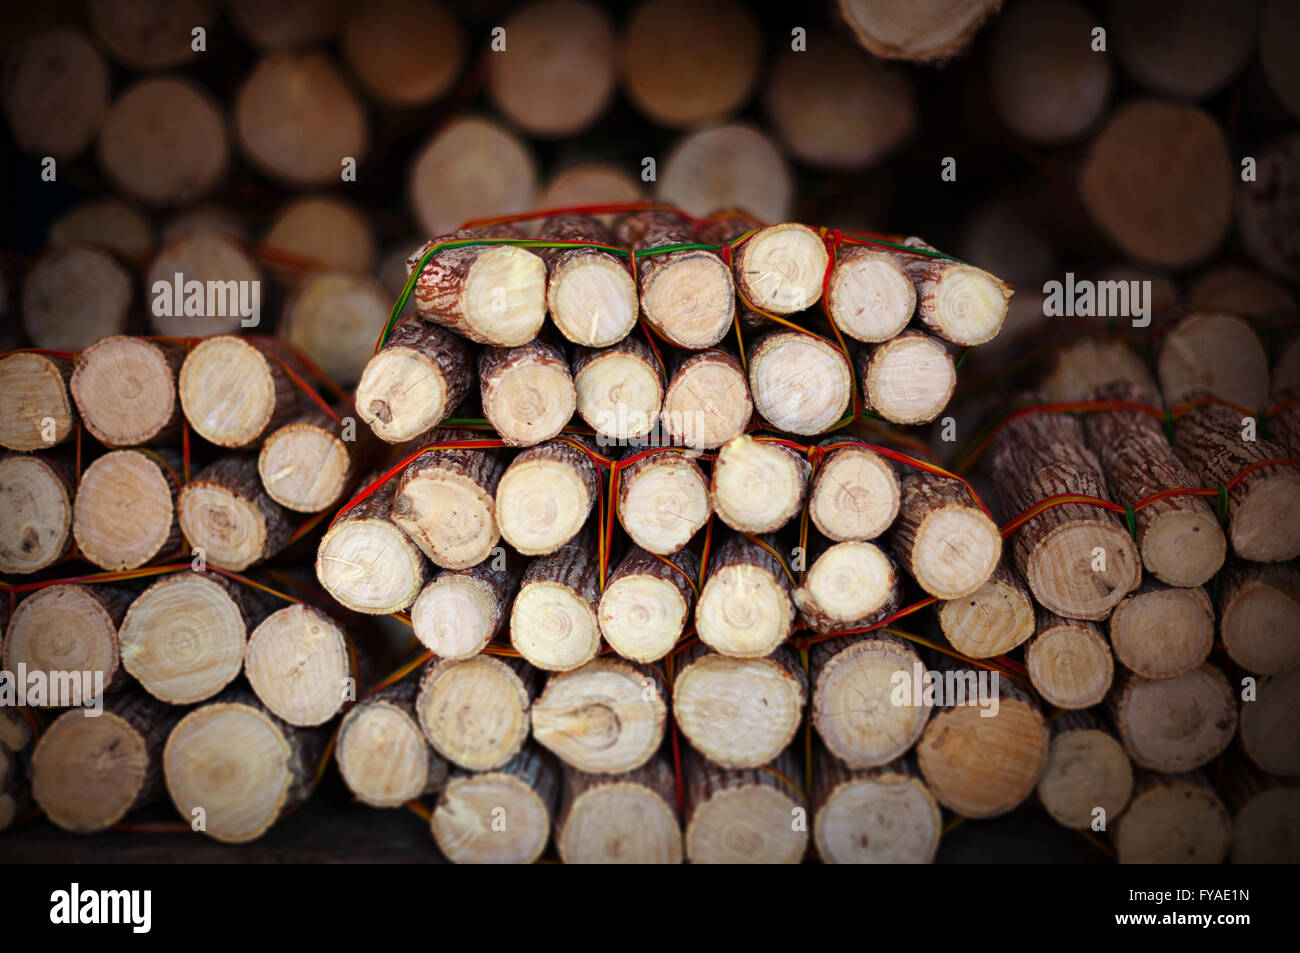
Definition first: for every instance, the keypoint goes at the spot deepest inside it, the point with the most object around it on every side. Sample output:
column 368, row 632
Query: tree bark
column 553, row 619
column 527, row 392
column 417, row 380
column 545, row 496
column 225, row 512
column 746, row 608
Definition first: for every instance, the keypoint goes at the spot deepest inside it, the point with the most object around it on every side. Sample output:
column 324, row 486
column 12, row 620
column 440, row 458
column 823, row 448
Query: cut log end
column 1266, row 525
column 620, row 822
column 1086, row 769
column 909, row 379
column 35, row 514
column 642, row 616
column 125, row 388
column 745, row 819
column 1260, row 620
column 491, row 818
column 305, row 467
column 663, row 502
column 1184, row 547
column 846, row 587
column 1163, row 633
column 854, row 495
column 231, row 530
column 1070, row 663
column 63, row 628
column 883, row 819
column 1268, row 733
column 707, row 402
column 1176, row 724
column 228, row 391
column 592, row 300
column 780, row 268
column 382, row 756
column 992, row 620
column 801, row 384
column 401, row 395
column 543, row 502
column 607, row 717
column 955, row 551
column 530, row 402
column 1061, row 572
column 619, row 395
column 757, row 486
column 124, row 514
column 744, row 611
column 852, row 708
column 739, row 713
column 456, row 615
column 968, row 305
column 299, row 665
column 553, row 627
column 1177, row 820
column 690, row 299
column 1266, row 829
column 450, row 516
column 87, row 773
column 869, row 297
column 370, row 566
column 35, row 413
column 504, row 296
column 475, row 712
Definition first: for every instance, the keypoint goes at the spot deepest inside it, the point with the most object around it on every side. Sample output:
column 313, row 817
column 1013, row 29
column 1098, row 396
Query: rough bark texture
column 225, row 512
column 417, row 379
column 941, row 536
column 527, row 391
column 445, row 501
column 743, row 816
column 746, row 608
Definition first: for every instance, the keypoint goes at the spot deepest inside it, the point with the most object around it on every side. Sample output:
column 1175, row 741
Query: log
column 164, row 141
column 944, row 540
column 801, row 384
column 848, row 586
column 1279, row 31
column 332, row 320
column 108, row 223
column 306, row 465
column 1173, row 819
column 297, row 118
column 746, row 816
column 183, row 638
column 707, row 402
column 883, row 815
column 592, row 183
column 1267, row 731
column 406, row 53
column 607, row 717
column 625, row 819
column 15, row 731
column 527, row 392
column 87, row 774
column 239, row 768
column 124, row 514
column 545, row 496
column 1263, row 525
column 858, row 715
column 1188, row 50
column 73, row 297
column 780, row 268
column 323, row 233
column 1284, row 423
column 125, row 390
column 928, row 32
column 1042, row 455
column 225, row 512
column 444, row 502
column 1213, row 355
column 620, row 389
column 1086, row 368
column 1259, row 616
column 646, row 603
column 907, row 379
column 415, row 381
column 457, row 614
column 869, row 296
column 302, row 665
column 854, row 494
column 233, row 392
column 687, row 296
column 288, row 25
column 365, row 560
column 67, row 628
column 955, row 301
column 475, row 712
column 757, row 486
column 663, row 501
column 381, row 753
column 149, row 35
column 728, row 167
column 1169, row 212
column 746, row 608
column 55, row 93
column 35, row 513
column 1162, row 632
column 1069, row 662
column 553, row 618
column 992, row 620
column 739, row 713
column 590, row 294
column 205, row 256
column 501, row 816
column 1087, row 769
column 35, row 413
column 1174, row 724
column 1265, row 815
column 688, row 85
column 1240, row 291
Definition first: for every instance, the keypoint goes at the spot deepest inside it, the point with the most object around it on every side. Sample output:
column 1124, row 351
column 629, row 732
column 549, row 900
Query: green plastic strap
column 1223, row 504
column 1130, row 517
column 1169, row 426
column 1261, row 425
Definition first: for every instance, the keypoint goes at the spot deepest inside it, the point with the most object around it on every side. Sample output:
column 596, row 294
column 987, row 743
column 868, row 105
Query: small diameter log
column 501, row 816
column 125, row 389
column 1263, row 522
column 980, row 761
column 848, row 586
column 1240, row 290
column 1087, row 769
column 1069, row 662
column 1259, row 616
column 854, row 494
column 475, row 712
column 406, row 53
column 527, row 392
column 882, row 815
column 625, row 819
column 780, row 268
column 234, row 393
column 992, row 620
column 1161, row 632
column 15, row 730
column 545, row 496
column 607, row 717
column 238, row 767
column 89, row 773
column 746, row 816
column 646, row 603
column 757, row 486
column 592, row 183
column 204, row 254
column 444, row 502
column 620, row 388
column 73, row 297
column 1084, row 369
column 149, row 36
column 746, row 608
column 125, row 510
column 907, row 379
column 590, row 293
column 957, row 302
column 1187, row 50
column 474, row 167
column 1265, row 815
column 490, row 293
column 35, row 513
column 300, row 664
column 553, row 618
column 55, row 93
column 332, row 319
column 1268, row 724
column 663, row 500
column 35, row 413
column 365, row 560
column 108, row 223
column 870, row 297
column 383, row 757
column 735, row 166
column 67, row 629
column 225, row 512
column 707, row 401
column 183, row 638
column 330, row 235
column 457, row 614
column 1174, row 724
column 687, row 296
column 801, row 384
column 739, row 713
column 1284, row 426
column 306, row 465
column 417, row 379
column 942, row 538
column 1266, row 216
column 857, row 710
column 915, row 32
column 1078, row 559
column 1173, row 819
column 1213, row 355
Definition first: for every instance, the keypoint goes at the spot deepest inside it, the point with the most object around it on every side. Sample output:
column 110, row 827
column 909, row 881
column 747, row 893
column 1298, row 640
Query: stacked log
column 382, row 753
